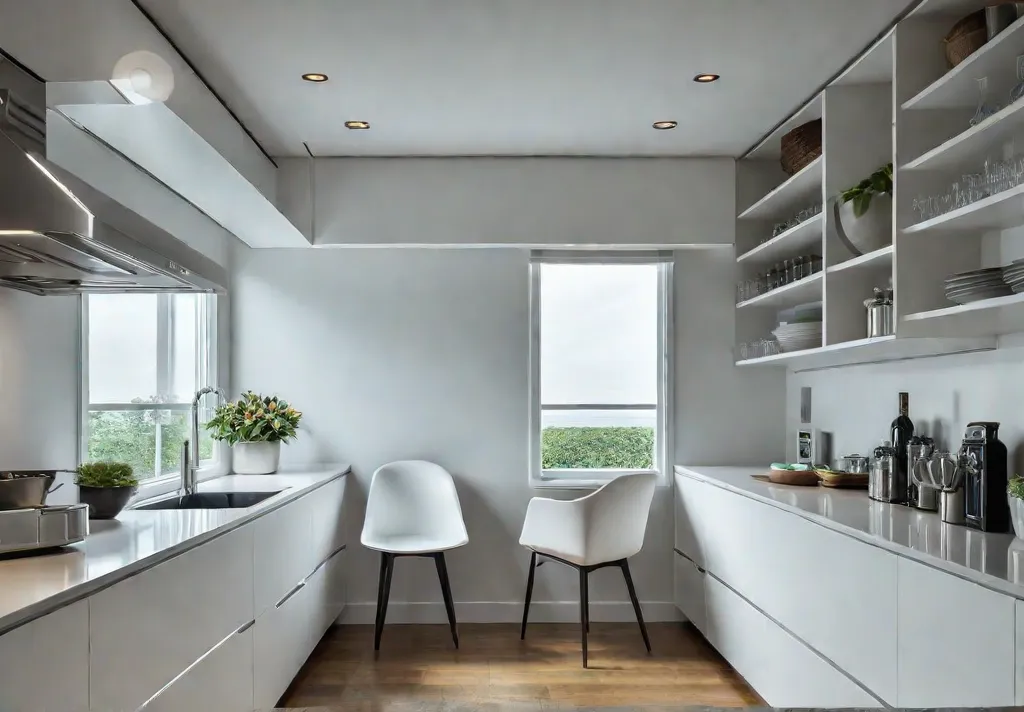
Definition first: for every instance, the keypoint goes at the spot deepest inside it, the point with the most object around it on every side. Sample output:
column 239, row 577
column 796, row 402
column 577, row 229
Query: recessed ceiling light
column 706, row 78
column 315, row 77
column 356, row 125
column 664, row 125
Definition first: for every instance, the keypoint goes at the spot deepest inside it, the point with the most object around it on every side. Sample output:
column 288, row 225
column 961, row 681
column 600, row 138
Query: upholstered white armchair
column 412, row 510
column 602, row 529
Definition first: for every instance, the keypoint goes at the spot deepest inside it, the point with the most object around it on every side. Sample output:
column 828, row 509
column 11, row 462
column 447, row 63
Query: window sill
column 584, row 479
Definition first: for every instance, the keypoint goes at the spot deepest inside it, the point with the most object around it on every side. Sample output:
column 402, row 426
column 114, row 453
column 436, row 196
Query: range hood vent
column 59, row 235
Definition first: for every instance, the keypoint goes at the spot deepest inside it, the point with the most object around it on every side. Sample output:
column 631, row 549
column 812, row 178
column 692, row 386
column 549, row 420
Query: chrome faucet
column 190, row 455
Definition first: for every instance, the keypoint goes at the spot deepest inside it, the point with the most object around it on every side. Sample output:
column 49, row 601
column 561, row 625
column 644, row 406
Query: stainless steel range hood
column 59, row 235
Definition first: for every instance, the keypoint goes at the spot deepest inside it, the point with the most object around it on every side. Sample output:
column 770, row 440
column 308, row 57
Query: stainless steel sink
column 210, row 500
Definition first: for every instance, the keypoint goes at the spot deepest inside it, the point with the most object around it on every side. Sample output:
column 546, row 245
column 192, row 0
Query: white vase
column 256, row 458
column 872, row 230
column 1016, row 515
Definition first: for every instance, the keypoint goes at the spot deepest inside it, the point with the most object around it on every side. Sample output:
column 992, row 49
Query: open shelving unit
column 898, row 102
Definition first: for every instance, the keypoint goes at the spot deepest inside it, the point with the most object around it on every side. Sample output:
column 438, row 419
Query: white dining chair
column 602, row 529
column 412, row 510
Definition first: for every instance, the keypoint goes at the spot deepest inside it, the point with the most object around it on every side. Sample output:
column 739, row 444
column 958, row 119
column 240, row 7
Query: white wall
column 511, row 201
column 858, row 403
column 418, row 353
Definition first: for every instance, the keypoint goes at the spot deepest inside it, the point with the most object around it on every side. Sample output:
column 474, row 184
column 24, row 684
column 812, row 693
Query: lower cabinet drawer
column 689, row 592
column 282, row 642
column 144, row 631
column 784, row 671
column 220, row 681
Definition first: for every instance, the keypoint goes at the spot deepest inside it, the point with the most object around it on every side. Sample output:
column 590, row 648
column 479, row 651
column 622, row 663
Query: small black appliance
column 984, row 461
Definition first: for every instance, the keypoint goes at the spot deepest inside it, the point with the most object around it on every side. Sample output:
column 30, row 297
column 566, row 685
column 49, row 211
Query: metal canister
column 880, row 313
column 927, row 498
column 882, row 480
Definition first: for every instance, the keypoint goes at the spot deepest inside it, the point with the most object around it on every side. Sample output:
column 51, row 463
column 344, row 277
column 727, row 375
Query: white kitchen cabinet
column 222, row 680
column 281, row 644
column 833, row 592
column 44, row 665
column 688, row 585
column 328, row 503
column 283, row 552
column 689, row 506
column 144, row 631
column 784, row 671
column 1019, row 650
column 956, row 641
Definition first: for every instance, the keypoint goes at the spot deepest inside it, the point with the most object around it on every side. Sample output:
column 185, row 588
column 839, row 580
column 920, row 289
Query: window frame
column 206, row 374
column 593, row 478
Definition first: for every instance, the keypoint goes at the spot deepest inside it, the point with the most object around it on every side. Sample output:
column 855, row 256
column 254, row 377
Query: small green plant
column 878, row 183
column 254, row 418
column 106, row 474
column 1016, row 487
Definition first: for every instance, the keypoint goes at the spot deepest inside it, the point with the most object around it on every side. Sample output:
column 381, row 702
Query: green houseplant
column 255, row 426
column 1015, row 498
column 106, row 487
column 861, row 227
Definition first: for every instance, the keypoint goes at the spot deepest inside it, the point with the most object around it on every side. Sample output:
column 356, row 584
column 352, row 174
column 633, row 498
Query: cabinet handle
column 298, row 587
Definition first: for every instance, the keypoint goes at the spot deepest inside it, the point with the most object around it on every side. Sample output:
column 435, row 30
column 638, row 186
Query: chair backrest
column 617, row 517
column 413, row 498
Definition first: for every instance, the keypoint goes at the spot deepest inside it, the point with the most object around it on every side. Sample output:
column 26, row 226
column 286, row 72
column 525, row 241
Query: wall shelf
column 799, row 191
column 864, row 351
column 878, row 258
column 800, row 237
column 997, row 212
column 958, row 87
column 989, row 317
column 802, row 291
column 971, row 144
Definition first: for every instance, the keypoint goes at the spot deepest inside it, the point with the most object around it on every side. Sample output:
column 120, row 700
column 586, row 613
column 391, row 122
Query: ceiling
column 517, row 77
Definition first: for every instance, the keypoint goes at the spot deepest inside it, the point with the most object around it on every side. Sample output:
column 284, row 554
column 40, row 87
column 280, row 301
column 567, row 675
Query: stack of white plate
column 1013, row 275
column 976, row 285
column 798, row 336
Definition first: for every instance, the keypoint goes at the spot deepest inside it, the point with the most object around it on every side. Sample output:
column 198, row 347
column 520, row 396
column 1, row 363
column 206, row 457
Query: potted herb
column 863, row 213
column 1015, row 498
column 106, row 487
column 255, row 426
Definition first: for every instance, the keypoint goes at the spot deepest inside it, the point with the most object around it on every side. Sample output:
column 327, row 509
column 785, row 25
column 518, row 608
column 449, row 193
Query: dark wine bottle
column 901, row 430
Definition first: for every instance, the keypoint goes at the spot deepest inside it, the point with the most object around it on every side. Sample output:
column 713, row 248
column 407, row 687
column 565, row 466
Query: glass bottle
column 985, row 106
column 787, row 272
column 1018, row 91
column 902, row 429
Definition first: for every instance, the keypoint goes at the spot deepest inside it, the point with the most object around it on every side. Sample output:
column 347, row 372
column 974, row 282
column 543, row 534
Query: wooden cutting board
column 805, row 478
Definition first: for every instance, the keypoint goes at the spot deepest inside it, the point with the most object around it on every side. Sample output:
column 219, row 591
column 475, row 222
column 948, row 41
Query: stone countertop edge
column 1001, row 543
column 323, row 474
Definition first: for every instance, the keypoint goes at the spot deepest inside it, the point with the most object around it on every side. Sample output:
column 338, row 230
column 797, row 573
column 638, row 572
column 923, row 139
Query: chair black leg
column 529, row 595
column 584, row 611
column 446, row 591
column 387, row 566
column 624, row 565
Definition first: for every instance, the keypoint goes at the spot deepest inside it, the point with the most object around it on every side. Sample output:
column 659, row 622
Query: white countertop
column 992, row 560
column 32, row 586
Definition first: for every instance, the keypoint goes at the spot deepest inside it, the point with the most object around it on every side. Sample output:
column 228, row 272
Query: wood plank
column 417, row 663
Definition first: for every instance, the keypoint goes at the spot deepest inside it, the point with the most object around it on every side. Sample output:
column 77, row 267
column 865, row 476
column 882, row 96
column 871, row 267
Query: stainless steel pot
column 854, row 464
column 25, row 490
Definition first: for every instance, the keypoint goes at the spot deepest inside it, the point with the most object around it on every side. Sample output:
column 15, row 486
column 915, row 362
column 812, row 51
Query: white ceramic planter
column 1016, row 515
column 872, row 230
column 256, row 458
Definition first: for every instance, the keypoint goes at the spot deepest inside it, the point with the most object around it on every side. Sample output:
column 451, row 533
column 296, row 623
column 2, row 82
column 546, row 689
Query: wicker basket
column 801, row 146
column 966, row 38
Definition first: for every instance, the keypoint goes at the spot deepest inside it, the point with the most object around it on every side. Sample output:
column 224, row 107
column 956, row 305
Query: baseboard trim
column 510, row 612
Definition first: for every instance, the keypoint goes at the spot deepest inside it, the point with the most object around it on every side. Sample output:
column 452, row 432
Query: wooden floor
column 419, row 664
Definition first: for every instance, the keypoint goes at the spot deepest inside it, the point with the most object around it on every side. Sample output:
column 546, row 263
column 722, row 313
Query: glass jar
column 1018, row 91
column 986, row 107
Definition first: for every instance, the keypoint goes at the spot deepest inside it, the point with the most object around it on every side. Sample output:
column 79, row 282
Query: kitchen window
column 599, row 365
column 144, row 356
